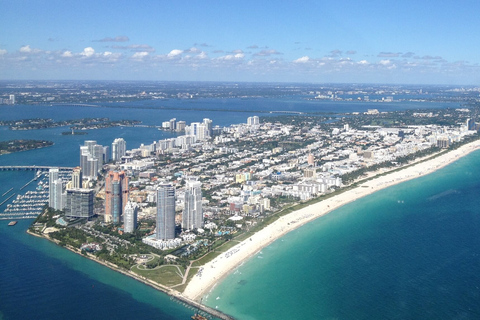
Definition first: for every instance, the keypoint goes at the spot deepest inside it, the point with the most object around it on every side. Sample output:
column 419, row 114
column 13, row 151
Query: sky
column 322, row 41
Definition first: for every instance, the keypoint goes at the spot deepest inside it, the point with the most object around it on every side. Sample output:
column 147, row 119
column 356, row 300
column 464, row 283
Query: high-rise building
column 55, row 195
column 12, row 99
column 116, row 195
column 79, row 203
column 192, row 217
column 130, row 218
column 91, row 158
column 119, row 149
column 310, row 159
column 253, row 121
column 208, row 126
column 77, row 178
column 173, row 124
column 52, row 176
column 471, row 124
column 181, row 126
column 165, row 229
column 53, row 190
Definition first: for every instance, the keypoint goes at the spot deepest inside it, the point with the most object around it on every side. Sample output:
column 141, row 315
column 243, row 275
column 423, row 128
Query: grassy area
column 207, row 258
column 227, row 245
column 243, row 236
column 166, row 275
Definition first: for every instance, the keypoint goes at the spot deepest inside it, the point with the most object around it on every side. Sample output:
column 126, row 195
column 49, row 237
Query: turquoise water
column 411, row 251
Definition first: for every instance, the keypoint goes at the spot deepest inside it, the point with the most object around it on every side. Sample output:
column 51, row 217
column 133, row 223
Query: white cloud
column 67, row 54
column 202, row 55
column 303, row 59
column 3, row 51
column 385, row 62
column 88, row 52
column 193, row 50
column 139, row 55
column 363, row 62
column 174, row 53
column 228, row 57
column 26, row 49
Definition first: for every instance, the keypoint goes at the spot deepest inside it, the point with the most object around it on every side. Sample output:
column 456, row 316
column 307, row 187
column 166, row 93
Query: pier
column 7, row 198
column 6, row 192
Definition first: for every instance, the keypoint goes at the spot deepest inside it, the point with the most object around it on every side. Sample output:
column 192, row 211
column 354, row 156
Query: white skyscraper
column 253, row 121
column 192, row 213
column 165, row 212
column 52, row 190
column 130, row 217
column 55, row 196
column 91, row 158
column 208, row 126
column 119, row 149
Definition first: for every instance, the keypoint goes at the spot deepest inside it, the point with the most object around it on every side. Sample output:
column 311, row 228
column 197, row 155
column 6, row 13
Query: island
column 11, row 146
column 75, row 124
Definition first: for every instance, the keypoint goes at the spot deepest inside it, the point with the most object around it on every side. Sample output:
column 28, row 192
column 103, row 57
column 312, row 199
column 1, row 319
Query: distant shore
column 215, row 270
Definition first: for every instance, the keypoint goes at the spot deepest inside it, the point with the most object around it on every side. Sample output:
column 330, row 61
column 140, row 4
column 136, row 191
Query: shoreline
column 220, row 267
column 170, row 292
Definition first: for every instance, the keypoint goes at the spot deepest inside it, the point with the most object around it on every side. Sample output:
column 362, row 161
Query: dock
column 3, row 195
column 7, row 199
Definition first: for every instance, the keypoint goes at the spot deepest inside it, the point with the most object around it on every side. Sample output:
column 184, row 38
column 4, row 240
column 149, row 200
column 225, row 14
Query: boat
column 198, row 316
column 12, row 223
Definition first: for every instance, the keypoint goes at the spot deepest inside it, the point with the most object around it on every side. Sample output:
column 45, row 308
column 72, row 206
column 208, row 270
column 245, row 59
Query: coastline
column 217, row 269
column 171, row 292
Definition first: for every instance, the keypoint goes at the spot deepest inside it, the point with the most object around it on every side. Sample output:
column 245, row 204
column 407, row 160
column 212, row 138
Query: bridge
column 74, row 105
column 32, row 168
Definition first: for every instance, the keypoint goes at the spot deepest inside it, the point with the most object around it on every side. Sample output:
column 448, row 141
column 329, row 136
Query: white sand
column 215, row 270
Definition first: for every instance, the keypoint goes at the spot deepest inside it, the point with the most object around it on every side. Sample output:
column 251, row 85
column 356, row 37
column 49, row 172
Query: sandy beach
column 225, row 263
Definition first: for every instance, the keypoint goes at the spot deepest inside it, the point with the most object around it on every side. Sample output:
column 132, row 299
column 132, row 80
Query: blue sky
column 371, row 41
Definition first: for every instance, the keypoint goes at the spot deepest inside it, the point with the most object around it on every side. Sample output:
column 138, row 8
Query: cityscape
column 240, row 160
column 182, row 201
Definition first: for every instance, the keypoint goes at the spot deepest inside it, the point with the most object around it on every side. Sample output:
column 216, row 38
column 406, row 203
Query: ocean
column 410, row 251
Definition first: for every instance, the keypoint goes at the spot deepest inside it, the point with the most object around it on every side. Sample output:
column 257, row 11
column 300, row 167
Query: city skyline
column 374, row 42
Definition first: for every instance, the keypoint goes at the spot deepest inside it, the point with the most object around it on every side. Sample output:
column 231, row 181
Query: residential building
column 79, row 203
column 119, row 149
column 192, row 217
column 116, row 196
column 165, row 229
column 130, row 217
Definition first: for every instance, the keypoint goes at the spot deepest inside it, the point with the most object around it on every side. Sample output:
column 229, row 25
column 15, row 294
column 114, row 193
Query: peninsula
column 227, row 192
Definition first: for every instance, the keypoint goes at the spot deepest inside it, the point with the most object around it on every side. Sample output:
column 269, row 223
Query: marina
column 30, row 204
